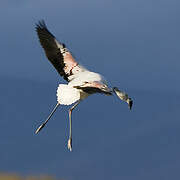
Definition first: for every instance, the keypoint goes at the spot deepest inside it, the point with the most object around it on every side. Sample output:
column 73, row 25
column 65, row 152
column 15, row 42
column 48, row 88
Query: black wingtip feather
column 53, row 53
column 41, row 25
column 41, row 28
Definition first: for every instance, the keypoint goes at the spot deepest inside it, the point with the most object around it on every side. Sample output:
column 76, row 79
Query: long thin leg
column 42, row 125
column 70, row 126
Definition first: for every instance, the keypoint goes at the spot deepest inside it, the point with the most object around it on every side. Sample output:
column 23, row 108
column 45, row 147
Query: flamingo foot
column 70, row 144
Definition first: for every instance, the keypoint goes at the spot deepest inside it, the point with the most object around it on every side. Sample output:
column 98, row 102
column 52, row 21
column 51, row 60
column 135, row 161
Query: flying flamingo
column 81, row 82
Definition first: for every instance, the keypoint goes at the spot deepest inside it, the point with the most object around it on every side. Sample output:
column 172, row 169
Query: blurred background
column 135, row 45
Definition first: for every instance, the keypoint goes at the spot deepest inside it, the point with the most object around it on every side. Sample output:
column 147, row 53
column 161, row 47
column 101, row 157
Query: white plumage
column 67, row 95
column 85, row 76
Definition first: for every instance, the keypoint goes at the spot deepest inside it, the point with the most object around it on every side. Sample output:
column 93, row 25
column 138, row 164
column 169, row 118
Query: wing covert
column 57, row 53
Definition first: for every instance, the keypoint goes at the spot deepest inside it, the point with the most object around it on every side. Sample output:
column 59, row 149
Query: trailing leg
column 70, row 126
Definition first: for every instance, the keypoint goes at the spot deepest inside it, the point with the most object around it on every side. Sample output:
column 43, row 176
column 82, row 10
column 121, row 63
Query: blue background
column 135, row 45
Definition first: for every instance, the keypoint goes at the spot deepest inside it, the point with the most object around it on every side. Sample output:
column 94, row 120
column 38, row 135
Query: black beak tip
column 130, row 104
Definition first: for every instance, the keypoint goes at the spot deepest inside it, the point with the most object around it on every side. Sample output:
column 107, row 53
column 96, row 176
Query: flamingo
column 81, row 82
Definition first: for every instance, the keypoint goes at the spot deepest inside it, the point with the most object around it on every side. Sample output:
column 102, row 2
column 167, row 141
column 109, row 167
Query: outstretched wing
column 57, row 53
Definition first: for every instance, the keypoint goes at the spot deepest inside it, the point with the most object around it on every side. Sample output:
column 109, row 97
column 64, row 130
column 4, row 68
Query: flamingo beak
column 130, row 103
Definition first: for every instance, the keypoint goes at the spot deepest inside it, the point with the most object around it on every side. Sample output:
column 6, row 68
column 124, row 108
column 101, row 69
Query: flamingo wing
column 57, row 53
column 95, row 87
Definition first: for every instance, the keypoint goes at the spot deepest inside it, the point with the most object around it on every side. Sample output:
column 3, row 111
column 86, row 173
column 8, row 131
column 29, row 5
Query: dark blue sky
column 135, row 45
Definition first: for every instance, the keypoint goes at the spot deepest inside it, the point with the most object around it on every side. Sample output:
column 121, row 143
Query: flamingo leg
column 70, row 126
column 42, row 125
